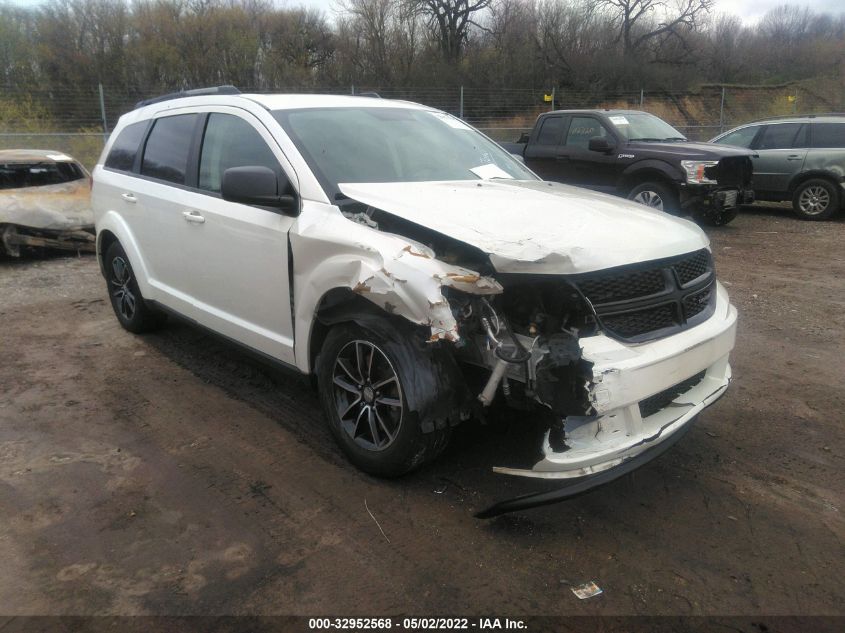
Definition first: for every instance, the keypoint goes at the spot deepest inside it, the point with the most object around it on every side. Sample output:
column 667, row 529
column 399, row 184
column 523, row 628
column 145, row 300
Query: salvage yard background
column 169, row 474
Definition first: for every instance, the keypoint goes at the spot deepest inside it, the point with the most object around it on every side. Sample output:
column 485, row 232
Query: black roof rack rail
column 217, row 90
column 369, row 93
column 812, row 115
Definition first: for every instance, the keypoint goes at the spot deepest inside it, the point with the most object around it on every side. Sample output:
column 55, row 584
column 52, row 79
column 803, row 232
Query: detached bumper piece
column 576, row 487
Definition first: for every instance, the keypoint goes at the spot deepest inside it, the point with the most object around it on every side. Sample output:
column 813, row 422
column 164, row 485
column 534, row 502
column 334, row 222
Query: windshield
column 38, row 174
column 383, row 144
column 645, row 127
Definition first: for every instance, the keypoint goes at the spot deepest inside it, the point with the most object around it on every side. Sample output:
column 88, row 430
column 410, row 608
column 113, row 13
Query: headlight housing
column 695, row 171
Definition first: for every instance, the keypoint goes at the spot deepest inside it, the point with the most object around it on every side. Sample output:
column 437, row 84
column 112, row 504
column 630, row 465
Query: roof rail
column 372, row 94
column 802, row 116
column 217, row 90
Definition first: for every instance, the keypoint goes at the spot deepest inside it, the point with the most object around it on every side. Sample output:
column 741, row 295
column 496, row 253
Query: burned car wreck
column 419, row 272
column 45, row 202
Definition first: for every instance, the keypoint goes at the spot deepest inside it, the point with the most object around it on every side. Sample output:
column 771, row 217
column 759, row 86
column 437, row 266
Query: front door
column 584, row 167
column 235, row 254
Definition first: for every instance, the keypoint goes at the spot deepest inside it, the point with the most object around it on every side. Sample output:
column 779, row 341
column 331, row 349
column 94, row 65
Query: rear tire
column 374, row 383
column 656, row 195
column 133, row 313
column 815, row 199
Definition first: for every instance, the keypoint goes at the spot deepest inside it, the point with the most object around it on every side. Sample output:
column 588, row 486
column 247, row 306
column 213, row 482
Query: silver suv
column 420, row 271
column 800, row 159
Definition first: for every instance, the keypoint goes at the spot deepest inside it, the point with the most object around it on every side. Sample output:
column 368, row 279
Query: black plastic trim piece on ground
column 581, row 485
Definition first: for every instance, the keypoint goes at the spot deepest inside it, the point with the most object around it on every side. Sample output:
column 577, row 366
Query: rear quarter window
column 125, row 148
column 831, row 135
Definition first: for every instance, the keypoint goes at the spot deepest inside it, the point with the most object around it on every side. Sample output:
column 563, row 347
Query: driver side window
column 230, row 141
column 582, row 129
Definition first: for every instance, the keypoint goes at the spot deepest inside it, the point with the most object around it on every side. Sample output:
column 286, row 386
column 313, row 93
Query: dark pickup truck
column 640, row 157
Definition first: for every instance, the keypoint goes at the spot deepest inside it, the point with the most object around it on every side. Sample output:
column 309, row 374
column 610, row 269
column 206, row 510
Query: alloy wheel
column 367, row 395
column 650, row 199
column 814, row 200
column 125, row 300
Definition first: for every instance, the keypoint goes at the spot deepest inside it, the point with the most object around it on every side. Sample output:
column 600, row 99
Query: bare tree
column 450, row 21
column 642, row 21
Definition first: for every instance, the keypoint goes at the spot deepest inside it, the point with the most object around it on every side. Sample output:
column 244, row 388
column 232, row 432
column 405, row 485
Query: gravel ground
column 171, row 474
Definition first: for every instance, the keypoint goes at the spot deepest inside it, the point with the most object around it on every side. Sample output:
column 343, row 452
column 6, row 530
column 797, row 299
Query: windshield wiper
column 647, row 139
column 675, row 138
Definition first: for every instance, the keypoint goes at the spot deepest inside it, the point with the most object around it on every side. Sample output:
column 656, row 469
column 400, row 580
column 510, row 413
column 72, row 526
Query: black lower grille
column 658, row 401
column 628, row 324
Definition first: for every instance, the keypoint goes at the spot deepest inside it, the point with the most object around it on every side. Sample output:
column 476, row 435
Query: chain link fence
column 77, row 121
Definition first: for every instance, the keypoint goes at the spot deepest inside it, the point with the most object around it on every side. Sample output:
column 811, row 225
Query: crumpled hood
column 534, row 226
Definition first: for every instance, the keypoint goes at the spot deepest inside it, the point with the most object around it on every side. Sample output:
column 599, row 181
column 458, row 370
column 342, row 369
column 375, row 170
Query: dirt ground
column 171, row 474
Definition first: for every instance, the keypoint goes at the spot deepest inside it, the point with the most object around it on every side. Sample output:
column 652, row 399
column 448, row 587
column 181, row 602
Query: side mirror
column 600, row 144
column 255, row 185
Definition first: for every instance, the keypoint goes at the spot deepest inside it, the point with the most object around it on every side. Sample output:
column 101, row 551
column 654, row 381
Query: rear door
column 827, row 148
column 236, row 255
column 541, row 153
column 156, row 200
column 781, row 149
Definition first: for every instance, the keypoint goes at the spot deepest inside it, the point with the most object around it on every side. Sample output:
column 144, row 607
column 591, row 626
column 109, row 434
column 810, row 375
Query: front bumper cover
column 618, row 438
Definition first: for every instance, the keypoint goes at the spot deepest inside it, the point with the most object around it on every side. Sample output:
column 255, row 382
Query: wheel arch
column 648, row 171
column 813, row 174
column 338, row 305
column 111, row 227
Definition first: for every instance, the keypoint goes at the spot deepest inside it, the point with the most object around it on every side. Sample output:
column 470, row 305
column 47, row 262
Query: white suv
column 419, row 271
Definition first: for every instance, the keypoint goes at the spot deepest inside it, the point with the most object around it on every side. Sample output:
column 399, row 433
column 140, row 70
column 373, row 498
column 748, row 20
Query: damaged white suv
column 419, row 271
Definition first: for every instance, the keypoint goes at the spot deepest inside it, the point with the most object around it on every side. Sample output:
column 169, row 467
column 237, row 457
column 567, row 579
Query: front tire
column 815, row 199
column 372, row 381
column 133, row 313
column 656, row 195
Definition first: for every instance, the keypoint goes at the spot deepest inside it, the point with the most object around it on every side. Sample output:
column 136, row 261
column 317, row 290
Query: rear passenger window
column 166, row 153
column 550, row 131
column 778, row 136
column 231, row 142
column 125, row 148
column 828, row 135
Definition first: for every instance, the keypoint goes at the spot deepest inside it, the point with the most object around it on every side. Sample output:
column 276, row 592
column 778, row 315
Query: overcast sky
column 749, row 10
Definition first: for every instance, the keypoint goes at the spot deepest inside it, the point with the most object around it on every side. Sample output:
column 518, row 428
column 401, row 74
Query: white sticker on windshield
column 618, row 120
column 490, row 171
column 58, row 157
column 451, row 121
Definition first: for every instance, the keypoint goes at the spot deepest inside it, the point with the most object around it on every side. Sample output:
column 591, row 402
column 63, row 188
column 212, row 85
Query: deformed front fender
column 400, row 276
